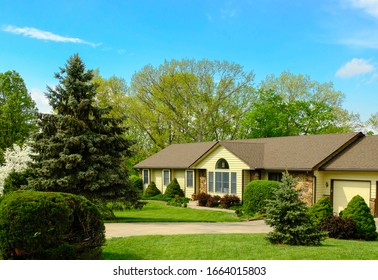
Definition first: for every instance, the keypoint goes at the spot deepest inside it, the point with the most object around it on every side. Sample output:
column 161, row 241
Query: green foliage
column 151, row 190
column 18, row 111
column 16, row 180
column 320, row 211
column 46, row 225
column 340, row 228
column 203, row 198
column 137, row 182
column 229, row 200
column 287, row 214
column 178, row 201
column 174, row 189
column 359, row 212
column 256, row 193
column 81, row 148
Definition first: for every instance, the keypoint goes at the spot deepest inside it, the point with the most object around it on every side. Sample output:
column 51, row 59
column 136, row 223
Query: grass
column 232, row 247
column 157, row 211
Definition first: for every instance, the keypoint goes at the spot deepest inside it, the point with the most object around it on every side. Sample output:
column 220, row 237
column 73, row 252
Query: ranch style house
column 339, row 166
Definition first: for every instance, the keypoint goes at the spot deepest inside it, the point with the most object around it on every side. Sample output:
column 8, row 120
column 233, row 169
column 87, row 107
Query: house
column 336, row 165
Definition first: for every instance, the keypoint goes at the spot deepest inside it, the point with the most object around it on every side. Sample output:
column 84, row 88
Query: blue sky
column 329, row 40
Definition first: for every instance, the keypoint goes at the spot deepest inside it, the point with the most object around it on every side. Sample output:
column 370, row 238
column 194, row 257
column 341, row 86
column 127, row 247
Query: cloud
column 355, row 67
column 369, row 6
column 40, row 100
column 44, row 35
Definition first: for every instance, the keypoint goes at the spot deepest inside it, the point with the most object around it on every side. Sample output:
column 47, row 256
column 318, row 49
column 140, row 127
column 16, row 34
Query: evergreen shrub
column 339, row 228
column 49, row 225
column 151, row 190
column 174, row 189
column 359, row 212
column 256, row 193
column 16, row 180
column 228, row 201
column 320, row 211
column 137, row 182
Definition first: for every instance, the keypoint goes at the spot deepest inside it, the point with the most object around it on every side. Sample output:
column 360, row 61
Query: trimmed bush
column 228, row 201
column 16, row 180
column 320, row 211
column 49, row 225
column 152, row 190
column 213, row 201
column 359, row 212
column 203, row 198
column 340, row 228
column 174, row 189
column 256, row 193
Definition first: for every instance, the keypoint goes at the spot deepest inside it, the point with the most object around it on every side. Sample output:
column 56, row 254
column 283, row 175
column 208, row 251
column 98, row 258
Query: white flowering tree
column 16, row 159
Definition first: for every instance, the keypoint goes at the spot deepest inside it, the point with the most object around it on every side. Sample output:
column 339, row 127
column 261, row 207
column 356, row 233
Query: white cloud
column 355, row 67
column 369, row 6
column 40, row 100
column 44, row 35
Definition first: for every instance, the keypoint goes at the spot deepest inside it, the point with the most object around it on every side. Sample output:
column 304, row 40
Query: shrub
column 49, row 225
column 174, row 189
column 320, row 211
column 256, row 193
column 359, row 212
column 213, row 201
column 287, row 214
column 137, row 182
column 179, row 201
column 340, row 228
column 16, row 180
column 203, row 198
column 228, row 201
column 152, row 190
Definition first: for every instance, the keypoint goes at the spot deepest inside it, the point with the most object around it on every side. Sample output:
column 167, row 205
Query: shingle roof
column 361, row 156
column 278, row 153
column 179, row 156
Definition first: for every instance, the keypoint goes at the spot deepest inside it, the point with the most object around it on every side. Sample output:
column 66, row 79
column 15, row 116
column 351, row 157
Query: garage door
column 344, row 191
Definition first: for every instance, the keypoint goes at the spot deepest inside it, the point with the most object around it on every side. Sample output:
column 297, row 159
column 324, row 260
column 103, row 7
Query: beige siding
column 323, row 180
column 179, row 174
column 156, row 176
column 235, row 164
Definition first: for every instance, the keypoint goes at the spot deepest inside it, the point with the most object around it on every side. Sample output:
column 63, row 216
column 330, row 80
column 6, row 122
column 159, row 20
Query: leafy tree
column 373, row 122
column 17, row 110
column 294, row 105
column 189, row 101
column 287, row 214
column 80, row 150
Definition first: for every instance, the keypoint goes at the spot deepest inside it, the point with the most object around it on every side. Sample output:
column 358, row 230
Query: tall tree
column 373, row 122
column 190, row 101
column 18, row 111
column 294, row 105
column 80, row 150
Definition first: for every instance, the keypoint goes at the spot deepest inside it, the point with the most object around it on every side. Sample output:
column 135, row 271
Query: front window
column 166, row 177
column 222, row 164
column 275, row 176
column 189, row 179
column 146, row 176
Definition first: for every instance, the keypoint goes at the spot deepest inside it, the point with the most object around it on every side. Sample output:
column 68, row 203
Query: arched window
column 222, row 164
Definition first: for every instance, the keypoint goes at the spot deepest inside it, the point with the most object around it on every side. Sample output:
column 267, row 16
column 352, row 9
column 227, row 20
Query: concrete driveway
column 134, row 229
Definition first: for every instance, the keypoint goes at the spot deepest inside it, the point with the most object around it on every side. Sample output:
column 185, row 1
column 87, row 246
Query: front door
column 202, row 181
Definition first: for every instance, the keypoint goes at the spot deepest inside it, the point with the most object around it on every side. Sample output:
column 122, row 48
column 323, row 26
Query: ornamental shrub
column 287, row 214
column 16, row 180
column 213, row 201
column 228, row 201
column 174, row 189
column 49, row 225
column 256, row 193
column 151, row 190
column 359, row 212
column 340, row 228
column 320, row 211
column 203, row 198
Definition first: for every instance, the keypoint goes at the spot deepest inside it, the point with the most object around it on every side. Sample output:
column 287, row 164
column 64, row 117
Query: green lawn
column 157, row 211
column 232, row 247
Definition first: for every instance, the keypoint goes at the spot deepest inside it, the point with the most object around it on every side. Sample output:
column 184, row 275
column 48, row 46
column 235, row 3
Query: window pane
column 145, row 177
column 233, row 182
column 189, row 179
column 226, row 182
column 211, row 181
column 218, row 182
column 166, row 177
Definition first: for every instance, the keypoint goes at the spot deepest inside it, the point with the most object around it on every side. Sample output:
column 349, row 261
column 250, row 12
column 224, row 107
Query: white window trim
column 193, row 178
column 169, row 177
column 148, row 176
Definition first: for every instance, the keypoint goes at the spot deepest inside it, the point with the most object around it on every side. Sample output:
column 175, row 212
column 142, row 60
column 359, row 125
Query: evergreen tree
column 287, row 214
column 80, row 148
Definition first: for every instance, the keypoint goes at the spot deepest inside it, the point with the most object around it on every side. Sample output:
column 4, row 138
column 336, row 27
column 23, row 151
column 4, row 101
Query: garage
column 344, row 190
